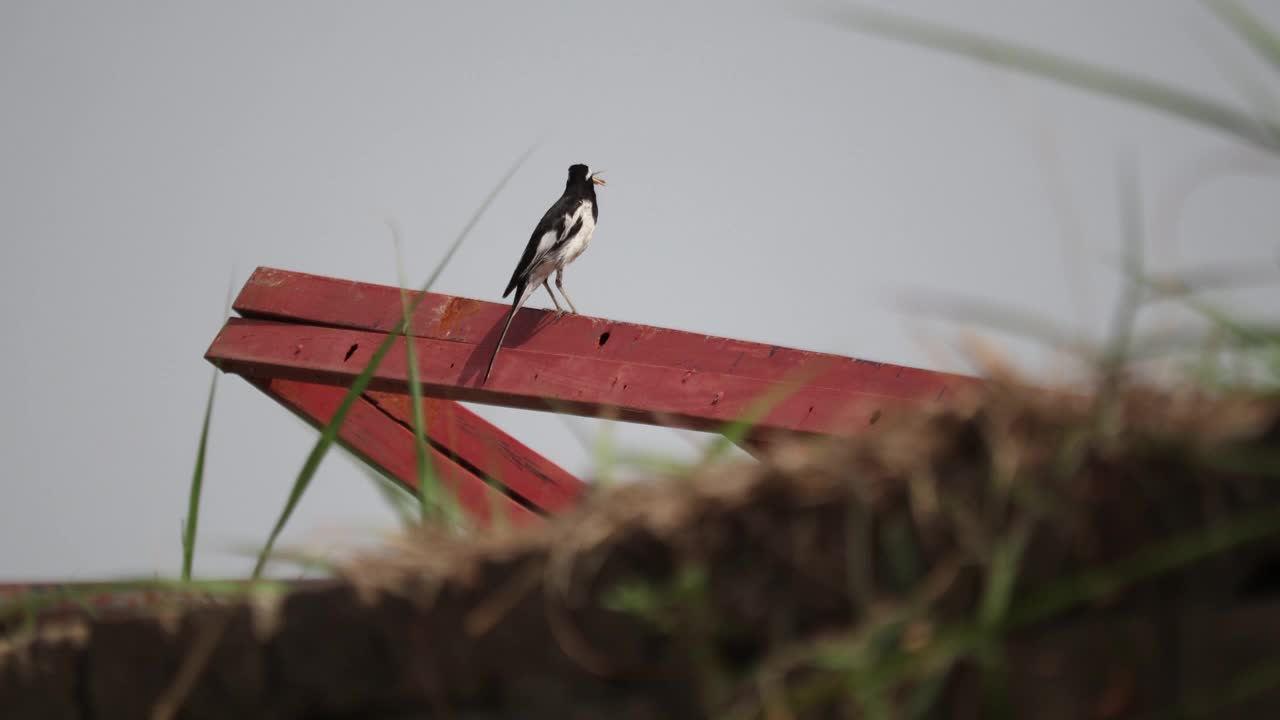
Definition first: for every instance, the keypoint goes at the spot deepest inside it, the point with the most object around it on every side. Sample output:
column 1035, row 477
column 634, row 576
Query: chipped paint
column 268, row 277
column 450, row 313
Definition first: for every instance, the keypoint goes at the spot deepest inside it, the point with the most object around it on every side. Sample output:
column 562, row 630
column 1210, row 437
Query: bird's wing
column 551, row 231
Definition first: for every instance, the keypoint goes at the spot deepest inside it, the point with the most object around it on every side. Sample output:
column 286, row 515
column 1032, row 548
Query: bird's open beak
column 597, row 180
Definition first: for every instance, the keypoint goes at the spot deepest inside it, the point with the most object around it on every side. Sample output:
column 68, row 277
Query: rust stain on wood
column 449, row 314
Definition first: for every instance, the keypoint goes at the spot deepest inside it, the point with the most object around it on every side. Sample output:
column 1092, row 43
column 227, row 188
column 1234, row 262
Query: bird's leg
column 560, row 286
column 559, row 310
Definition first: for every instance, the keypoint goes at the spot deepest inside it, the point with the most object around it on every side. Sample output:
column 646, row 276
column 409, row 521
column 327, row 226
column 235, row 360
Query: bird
column 558, row 239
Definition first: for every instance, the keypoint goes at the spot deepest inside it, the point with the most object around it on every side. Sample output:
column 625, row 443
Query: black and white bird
column 559, row 238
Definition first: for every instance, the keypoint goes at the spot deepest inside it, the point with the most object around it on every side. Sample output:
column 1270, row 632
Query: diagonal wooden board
column 477, row 444
column 385, row 443
column 322, row 329
column 312, row 299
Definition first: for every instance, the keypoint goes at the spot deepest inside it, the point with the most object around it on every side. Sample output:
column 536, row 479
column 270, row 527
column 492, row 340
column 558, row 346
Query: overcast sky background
column 770, row 178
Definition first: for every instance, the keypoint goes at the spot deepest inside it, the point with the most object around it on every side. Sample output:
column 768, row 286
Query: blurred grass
column 1255, row 350
column 1097, row 79
column 1249, row 28
column 870, row 677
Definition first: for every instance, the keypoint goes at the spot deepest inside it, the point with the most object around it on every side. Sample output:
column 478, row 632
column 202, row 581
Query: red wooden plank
column 279, row 294
column 478, row 443
column 380, row 440
column 536, row 380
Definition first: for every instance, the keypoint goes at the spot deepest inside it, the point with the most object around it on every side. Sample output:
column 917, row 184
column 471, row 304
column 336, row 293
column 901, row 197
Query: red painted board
column 540, row 381
column 279, row 294
column 478, row 443
column 380, row 440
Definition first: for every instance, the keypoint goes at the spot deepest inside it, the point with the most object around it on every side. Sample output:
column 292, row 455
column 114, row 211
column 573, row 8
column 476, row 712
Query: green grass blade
column 430, row 491
column 330, row 431
column 428, row 488
column 1250, row 29
column 192, row 523
column 1085, row 76
column 1261, row 98
column 604, row 453
column 1002, row 575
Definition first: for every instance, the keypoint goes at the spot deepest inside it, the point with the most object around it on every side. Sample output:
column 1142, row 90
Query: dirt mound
column 1046, row 554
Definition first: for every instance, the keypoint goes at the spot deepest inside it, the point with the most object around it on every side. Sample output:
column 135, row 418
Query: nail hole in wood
column 604, row 338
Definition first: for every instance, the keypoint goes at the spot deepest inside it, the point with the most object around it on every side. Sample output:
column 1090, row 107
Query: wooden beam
column 284, row 295
column 320, row 331
column 383, row 442
column 477, row 443
column 582, row 385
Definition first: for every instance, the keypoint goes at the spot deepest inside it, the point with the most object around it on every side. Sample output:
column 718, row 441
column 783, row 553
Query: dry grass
column 919, row 566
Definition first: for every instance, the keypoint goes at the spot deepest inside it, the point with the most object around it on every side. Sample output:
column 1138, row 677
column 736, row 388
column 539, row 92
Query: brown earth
column 1015, row 553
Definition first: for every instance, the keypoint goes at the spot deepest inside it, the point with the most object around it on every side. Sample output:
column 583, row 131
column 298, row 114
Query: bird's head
column 578, row 176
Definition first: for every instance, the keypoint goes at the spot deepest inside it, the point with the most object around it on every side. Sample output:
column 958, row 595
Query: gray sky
column 770, row 178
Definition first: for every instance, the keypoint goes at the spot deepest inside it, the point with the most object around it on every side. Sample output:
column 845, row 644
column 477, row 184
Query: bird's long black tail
column 520, row 297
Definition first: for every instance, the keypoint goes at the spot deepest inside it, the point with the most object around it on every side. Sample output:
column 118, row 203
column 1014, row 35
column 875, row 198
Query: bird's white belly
column 578, row 243
column 559, row 257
